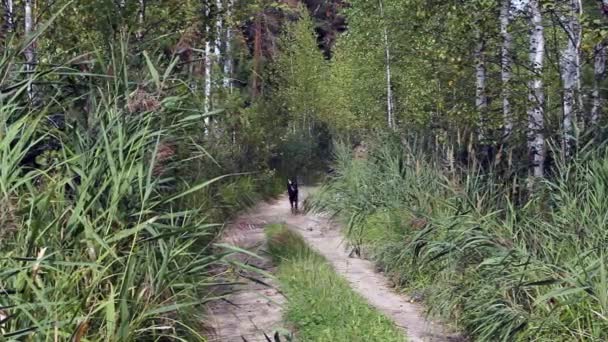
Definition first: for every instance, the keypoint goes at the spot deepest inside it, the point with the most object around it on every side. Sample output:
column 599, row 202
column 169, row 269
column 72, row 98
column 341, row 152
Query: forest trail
column 256, row 309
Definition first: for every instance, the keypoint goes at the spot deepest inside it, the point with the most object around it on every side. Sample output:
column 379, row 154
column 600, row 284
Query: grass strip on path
column 321, row 305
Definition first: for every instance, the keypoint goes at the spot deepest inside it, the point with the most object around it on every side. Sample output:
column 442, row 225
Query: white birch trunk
column 570, row 72
column 599, row 73
column 536, row 97
column 506, row 65
column 219, row 27
column 228, row 50
column 481, row 99
column 389, row 85
column 30, row 50
column 208, row 66
column 208, row 75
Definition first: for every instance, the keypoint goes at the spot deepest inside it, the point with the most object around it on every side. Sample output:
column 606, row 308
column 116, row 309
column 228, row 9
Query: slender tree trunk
column 257, row 56
column 570, row 72
column 222, row 42
column 389, row 86
column 208, row 66
column 481, row 99
column 506, row 64
column 536, row 97
column 217, row 44
column 9, row 16
column 141, row 18
column 219, row 27
column 30, row 50
column 228, row 65
column 227, row 60
column 599, row 73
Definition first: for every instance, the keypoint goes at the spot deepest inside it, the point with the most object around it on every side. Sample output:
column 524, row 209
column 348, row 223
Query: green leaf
column 153, row 72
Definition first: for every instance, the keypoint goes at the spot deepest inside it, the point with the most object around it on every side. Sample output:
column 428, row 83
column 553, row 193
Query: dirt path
column 254, row 307
column 256, row 314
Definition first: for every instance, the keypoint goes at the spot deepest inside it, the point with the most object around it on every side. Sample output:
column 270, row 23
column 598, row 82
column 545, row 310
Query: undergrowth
column 321, row 305
column 501, row 271
column 106, row 228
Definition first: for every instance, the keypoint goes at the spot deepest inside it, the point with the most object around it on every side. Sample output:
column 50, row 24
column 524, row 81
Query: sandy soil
column 256, row 309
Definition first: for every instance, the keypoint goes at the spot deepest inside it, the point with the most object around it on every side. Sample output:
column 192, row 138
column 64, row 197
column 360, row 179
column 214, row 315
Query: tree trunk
column 506, row 64
column 219, row 27
column 599, row 73
column 389, row 85
column 30, row 50
column 570, row 72
column 208, row 66
column 536, row 96
column 141, row 17
column 257, row 57
column 9, row 16
column 481, row 99
column 228, row 66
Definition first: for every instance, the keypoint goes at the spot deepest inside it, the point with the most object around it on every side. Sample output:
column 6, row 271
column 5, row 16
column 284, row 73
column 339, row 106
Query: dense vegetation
column 321, row 306
column 107, row 235
column 499, row 270
column 116, row 171
column 478, row 178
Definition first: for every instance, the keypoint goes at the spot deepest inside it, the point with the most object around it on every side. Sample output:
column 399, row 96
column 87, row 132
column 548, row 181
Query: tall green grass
column 108, row 237
column 503, row 272
column 321, row 305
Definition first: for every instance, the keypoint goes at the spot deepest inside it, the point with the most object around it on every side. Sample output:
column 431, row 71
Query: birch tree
column 228, row 64
column 223, row 42
column 481, row 99
column 599, row 73
column 536, row 96
column 207, row 62
column 506, row 64
column 570, row 73
column 141, row 17
column 30, row 49
column 389, row 85
column 9, row 15
column 219, row 27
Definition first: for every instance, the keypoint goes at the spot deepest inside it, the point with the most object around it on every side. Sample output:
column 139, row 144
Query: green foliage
column 428, row 47
column 112, row 185
column 85, row 221
column 107, row 235
column 321, row 305
column 297, row 100
column 531, row 272
column 300, row 69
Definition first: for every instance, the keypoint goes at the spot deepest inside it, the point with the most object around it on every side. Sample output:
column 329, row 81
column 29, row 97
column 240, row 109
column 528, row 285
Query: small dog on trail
column 292, row 190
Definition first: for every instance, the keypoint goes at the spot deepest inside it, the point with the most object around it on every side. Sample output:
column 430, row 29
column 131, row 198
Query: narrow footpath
column 255, row 309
